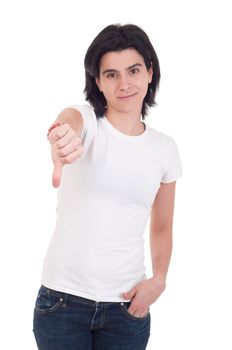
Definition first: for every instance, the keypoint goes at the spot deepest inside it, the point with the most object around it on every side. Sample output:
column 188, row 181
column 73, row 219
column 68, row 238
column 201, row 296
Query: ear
column 150, row 72
column 97, row 80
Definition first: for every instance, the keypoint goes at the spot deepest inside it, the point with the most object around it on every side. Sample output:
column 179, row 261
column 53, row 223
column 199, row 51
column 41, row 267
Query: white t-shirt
column 103, row 205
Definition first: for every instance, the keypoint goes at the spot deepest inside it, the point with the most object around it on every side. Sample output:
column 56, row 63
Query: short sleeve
column 174, row 167
column 89, row 120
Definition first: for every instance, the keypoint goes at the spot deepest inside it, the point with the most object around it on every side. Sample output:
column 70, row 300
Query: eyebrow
column 114, row 70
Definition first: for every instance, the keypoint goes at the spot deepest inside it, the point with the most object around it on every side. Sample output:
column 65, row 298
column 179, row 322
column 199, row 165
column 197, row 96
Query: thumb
column 57, row 172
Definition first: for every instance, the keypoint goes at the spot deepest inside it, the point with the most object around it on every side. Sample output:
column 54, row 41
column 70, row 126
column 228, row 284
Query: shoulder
column 167, row 150
column 162, row 138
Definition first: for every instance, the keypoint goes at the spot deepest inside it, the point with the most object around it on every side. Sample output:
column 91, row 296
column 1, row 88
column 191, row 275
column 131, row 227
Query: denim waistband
column 66, row 296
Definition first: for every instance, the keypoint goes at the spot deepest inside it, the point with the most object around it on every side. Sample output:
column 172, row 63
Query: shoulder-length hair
column 117, row 37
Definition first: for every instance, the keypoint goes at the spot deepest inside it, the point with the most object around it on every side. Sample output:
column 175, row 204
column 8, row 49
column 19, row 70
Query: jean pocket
column 45, row 302
column 124, row 308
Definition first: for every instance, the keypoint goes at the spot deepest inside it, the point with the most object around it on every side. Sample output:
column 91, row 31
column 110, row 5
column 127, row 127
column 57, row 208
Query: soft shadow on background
column 42, row 50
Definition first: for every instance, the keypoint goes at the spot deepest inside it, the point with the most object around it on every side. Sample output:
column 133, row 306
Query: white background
column 43, row 44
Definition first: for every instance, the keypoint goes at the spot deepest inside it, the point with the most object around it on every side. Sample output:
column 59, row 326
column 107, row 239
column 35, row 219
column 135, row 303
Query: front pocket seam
column 52, row 309
column 126, row 313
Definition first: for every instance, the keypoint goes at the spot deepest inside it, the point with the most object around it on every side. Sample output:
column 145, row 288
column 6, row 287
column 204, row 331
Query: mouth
column 126, row 97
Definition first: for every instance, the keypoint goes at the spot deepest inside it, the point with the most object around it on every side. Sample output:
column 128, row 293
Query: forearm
column 161, row 250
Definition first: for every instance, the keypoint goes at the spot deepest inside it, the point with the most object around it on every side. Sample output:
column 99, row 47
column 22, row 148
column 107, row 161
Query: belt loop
column 65, row 297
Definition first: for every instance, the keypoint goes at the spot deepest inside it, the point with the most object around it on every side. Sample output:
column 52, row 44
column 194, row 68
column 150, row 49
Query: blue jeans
column 64, row 321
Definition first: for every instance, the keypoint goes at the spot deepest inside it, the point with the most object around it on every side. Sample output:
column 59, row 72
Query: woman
column 94, row 291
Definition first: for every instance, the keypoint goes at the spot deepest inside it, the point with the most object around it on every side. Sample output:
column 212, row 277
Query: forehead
column 121, row 59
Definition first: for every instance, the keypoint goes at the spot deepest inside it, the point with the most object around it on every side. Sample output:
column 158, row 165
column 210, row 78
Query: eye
column 111, row 75
column 134, row 70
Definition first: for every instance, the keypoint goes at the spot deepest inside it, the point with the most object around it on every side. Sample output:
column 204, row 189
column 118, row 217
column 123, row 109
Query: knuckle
column 59, row 134
column 51, row 139
column 62, row 130
column 61, row 153
column 68, row 158
column 59, row 144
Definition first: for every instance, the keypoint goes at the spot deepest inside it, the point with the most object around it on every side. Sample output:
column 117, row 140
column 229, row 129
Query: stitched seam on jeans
column 52, row 309
column 126, row 313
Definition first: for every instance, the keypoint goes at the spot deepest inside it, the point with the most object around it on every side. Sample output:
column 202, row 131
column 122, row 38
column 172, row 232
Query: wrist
column 160, row 280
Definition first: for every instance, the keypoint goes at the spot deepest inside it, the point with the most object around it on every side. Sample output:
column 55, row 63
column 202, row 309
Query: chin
column 126, row 110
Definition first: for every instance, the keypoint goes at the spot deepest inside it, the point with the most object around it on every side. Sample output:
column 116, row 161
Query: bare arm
column 161, row 222
column 148, row 291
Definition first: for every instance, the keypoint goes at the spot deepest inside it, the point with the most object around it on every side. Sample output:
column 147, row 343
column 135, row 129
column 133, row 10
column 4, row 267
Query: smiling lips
column 125, row 97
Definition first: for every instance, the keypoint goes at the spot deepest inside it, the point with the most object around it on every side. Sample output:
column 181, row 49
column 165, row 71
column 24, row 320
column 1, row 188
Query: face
column 124, row 80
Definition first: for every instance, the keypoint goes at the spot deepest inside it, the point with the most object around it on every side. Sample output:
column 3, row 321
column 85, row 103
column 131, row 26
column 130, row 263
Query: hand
column 143, row 294
column 66, row 147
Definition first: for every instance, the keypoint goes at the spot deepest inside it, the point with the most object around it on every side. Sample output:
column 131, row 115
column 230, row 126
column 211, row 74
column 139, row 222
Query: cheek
column 141, row 83
column 143, row 87
column 110, row 90
column 107, row 92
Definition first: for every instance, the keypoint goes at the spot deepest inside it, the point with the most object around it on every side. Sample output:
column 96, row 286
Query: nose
column 124, row 83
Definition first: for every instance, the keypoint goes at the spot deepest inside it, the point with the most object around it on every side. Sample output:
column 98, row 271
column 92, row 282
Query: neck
column 128, row 123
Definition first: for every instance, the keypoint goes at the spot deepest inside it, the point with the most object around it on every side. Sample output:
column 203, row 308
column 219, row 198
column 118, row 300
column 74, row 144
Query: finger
column 70, row 158
column 136, row 309
column 57, row 173
column 69, row 148
column 68, row 137
column 58, row 132
column 132, row 308
column 141, row 312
